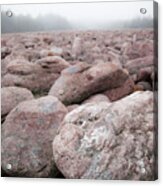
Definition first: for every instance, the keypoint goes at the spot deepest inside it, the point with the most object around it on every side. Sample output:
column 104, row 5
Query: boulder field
column 79, row 105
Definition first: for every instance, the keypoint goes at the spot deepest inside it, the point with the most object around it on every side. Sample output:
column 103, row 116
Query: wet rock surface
column 108, row 140
column 27, row 134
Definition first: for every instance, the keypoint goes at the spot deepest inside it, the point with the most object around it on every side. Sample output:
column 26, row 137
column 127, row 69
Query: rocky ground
column 79, row 105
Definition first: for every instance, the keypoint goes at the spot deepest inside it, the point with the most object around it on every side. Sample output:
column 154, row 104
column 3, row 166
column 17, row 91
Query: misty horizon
column 78, row 16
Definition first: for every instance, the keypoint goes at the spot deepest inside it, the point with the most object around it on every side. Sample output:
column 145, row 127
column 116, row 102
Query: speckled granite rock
column 108, row 140
column 27, row 136
column 96, row 98
column 12, row 96
column 38, row 76
column 80, row 81
column 117, row 93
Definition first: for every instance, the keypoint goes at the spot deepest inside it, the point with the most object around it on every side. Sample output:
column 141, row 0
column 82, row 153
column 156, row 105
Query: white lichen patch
column 95, row 140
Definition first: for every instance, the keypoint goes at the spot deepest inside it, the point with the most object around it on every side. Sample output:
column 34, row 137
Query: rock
column 12, row 96
column 72, row 107
column 144, row 74
column 53, row 64
column 96, row 98
column 134, row 66
column 80, row 81
column 143, row 85
column 138, row 49
column 108, row 140
column 76, row 47
column 27, row 136
column 67, row 55
column 51, row 52
column 117, row 93
column 114, row 58
column 29, row 44
column 5, row 51
column 38, row 76
column 21, row 67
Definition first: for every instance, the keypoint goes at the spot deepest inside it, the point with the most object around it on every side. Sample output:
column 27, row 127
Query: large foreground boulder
column 38, row 76
column 11, row 97
column 108, row 140
column 80, row 81
column 27, row 136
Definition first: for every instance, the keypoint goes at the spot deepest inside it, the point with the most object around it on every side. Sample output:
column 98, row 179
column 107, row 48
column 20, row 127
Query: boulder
column 72, row 107
column 80, row 81
column 135, row 65
column 138, row 49
column 114, row 58
column 113, row 141
column 117, row 93
column 27, row 136
column 76, row 47
column 96, row 98
column 5, row 51
column 143, row 85
column 145, row 74
column 55, row 51
column 12, row 96
column 38, row 76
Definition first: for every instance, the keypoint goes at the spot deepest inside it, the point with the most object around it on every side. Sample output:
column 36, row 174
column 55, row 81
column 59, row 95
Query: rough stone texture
column 51, row 52
column 72, row 107
column 121, row 42
column 38, row 76
column 138, row 49
column 108, row 140
column 76, row 47
column 122, row 91
column 80, row 81
column 135, row 65
column 33, row 50
column 12, row 96
column 5, row 51
column 27, row 136
column 144, row 85
column 96, row 98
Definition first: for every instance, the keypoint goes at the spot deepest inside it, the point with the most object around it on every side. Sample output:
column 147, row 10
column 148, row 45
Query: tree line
column 51, row 22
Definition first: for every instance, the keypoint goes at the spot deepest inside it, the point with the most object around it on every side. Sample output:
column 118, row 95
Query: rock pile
column 79, row 104
column 38, row 76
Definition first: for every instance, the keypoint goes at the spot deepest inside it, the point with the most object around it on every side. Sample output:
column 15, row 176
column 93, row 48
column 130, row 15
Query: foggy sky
column 86, row 12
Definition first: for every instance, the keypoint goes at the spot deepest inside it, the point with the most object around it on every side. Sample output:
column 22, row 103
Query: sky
column 86, row 12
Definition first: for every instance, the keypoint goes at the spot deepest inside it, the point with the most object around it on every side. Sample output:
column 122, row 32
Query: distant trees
column 129, row 24
column 139, row 23
column 25, row 23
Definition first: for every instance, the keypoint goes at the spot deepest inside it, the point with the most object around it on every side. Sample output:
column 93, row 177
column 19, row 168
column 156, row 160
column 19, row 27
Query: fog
column 80, row 16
